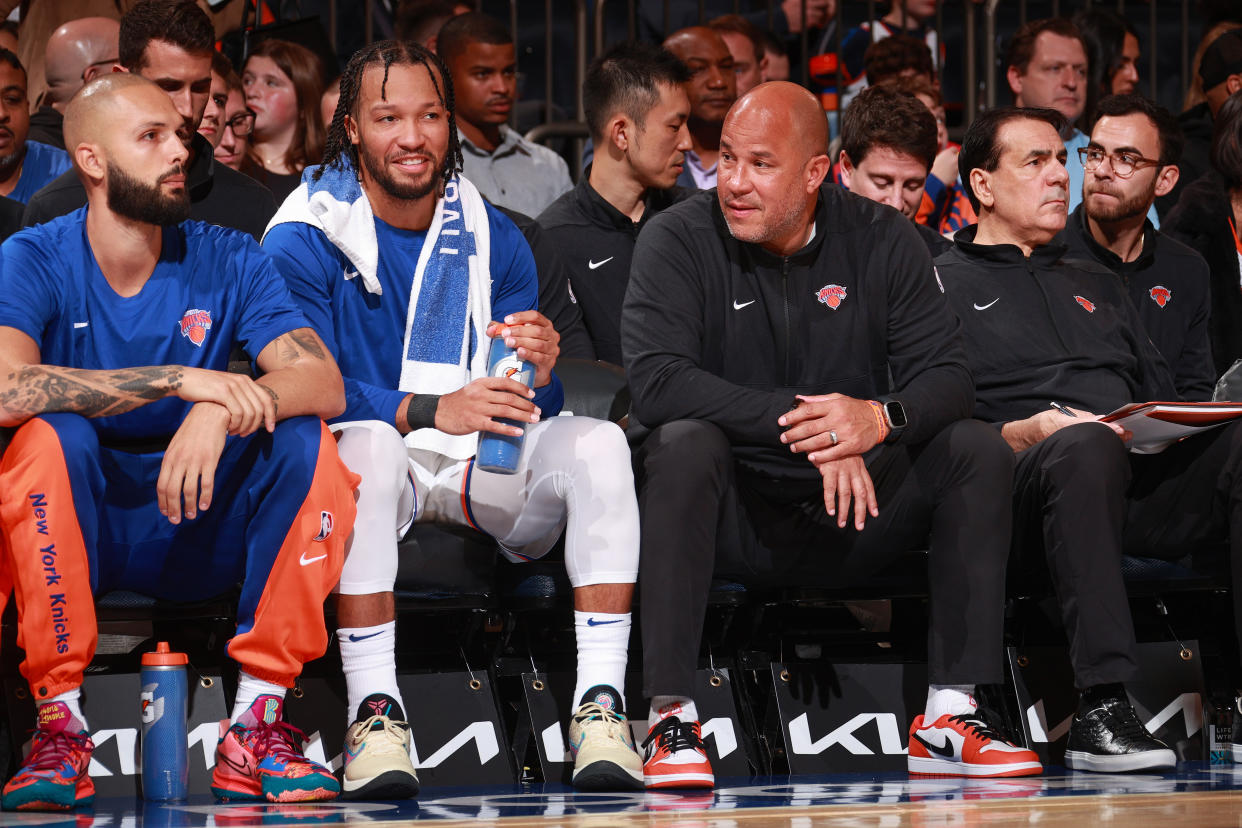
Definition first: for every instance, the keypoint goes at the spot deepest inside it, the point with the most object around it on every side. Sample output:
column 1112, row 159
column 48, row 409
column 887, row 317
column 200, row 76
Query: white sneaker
column 603, row 749
column 377, row 753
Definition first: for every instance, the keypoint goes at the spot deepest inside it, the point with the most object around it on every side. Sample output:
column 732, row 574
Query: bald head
column 773, row 159
column 118, row 100
column 789, row 111
column 128, row 144
column 76, row 52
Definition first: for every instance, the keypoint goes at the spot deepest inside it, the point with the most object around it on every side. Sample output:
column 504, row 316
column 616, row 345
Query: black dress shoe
column 1107, row 736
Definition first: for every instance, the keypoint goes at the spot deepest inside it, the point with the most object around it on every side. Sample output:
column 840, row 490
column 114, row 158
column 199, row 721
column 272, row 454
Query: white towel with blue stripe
column 451, row 289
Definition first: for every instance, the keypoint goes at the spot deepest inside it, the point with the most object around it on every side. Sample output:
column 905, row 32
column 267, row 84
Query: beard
column 377, row 168
column 1123, row 208
column 138, row 201
column 786, row 217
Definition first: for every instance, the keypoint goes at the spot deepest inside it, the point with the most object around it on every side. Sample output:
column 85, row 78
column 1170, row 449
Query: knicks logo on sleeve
column 1161, row 295
column 831, row 295
column 195, row 324
column 1086, row 303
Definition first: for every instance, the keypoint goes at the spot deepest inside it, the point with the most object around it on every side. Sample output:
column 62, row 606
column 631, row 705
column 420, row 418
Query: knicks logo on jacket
column 831, row 295
column 1161, row 295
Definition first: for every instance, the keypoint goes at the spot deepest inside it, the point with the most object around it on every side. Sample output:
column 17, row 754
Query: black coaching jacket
column 1048, row 328
column 1168, row 285
column 596, row 240
column 721, row 330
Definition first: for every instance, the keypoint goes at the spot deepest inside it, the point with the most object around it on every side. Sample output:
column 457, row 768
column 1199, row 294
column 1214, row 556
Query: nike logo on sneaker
column 353, row 637
column 243, row 767
column 988, row 305
column 594, row 264
column 739, row 306
column 591, row 622
column 305, row 561
column 946, row 750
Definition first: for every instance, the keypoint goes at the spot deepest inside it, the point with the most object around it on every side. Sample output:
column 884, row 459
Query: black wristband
column 422, row 411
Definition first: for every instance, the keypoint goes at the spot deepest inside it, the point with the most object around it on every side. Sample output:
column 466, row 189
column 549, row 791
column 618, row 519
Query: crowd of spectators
column 839, row 351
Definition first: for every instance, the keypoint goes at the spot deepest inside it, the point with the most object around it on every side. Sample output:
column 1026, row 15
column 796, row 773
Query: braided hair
column 386, row 53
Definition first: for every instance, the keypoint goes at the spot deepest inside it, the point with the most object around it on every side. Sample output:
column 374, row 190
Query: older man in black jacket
column 1054, row 343
column 761, row 328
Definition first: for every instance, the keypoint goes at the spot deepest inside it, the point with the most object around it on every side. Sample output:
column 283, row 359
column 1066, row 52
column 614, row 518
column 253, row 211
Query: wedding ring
column 833, row 435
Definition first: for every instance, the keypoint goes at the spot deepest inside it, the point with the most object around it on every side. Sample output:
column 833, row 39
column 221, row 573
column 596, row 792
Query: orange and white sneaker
column 260, row 757
column 965, row 745
column 674, row 756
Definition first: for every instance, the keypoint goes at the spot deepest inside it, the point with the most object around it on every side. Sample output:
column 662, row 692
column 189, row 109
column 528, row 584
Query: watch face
column 896, row 414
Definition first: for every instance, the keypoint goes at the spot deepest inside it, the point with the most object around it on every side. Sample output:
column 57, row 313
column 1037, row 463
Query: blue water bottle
column 499, row 453
column 165, row 698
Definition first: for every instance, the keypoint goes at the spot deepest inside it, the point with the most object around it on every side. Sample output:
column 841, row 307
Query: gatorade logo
column 509, row 367
column 152, row 708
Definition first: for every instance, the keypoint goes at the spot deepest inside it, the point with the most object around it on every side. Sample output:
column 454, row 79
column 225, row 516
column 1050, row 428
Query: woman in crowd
column 283, row 83
column 1112, row 58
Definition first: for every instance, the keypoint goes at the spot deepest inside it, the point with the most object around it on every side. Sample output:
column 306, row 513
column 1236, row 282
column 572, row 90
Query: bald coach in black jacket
column 760, row 330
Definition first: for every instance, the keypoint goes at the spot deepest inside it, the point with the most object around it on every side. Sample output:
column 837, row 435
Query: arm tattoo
column 275, row 397
column 42, row 389
column 296, row 344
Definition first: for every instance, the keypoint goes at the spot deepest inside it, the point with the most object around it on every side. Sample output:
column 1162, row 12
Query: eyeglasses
column 242, row 123
column 1124, row 163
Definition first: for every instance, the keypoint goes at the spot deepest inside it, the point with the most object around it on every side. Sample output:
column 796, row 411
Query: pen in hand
column 1062, row 409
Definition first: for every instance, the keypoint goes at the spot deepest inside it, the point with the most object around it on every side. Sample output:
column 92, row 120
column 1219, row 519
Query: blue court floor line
column 486, row 803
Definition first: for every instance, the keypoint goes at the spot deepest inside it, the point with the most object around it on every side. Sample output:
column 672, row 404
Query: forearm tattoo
column 271, row 392
column 42, row 389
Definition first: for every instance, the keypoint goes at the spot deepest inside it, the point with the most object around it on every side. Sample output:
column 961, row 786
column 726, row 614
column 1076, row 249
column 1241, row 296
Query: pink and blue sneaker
column 260, row 757
column 54, row 776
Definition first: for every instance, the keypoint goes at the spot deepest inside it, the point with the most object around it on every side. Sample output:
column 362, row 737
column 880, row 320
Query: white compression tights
column 574, row 473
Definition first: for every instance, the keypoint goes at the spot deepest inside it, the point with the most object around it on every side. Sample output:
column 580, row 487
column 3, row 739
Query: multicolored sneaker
column 54, row 776
column 966, row 745
column 377, row 752
column 674, row 756
column 260, row 757
column 603, row 749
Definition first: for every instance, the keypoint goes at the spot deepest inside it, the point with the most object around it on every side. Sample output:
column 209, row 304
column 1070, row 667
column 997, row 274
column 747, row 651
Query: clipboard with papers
column 1158, row 425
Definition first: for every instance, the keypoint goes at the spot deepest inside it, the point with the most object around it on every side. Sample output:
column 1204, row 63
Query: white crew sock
column 603, row 648
column 368, row 657
column 250, row 688
column 950, row 699
column 664, row 706
column 72, row 700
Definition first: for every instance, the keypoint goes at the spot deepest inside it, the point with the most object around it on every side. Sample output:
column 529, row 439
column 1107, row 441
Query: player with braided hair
column 408, row 274
column 386, row 53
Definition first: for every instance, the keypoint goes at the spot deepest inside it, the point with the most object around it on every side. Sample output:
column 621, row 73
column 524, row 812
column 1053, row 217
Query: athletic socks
column 664, row 706
column 72, row 700
column 250, row 688
column 951, row 699
column 369, row 661
column 603, row 647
